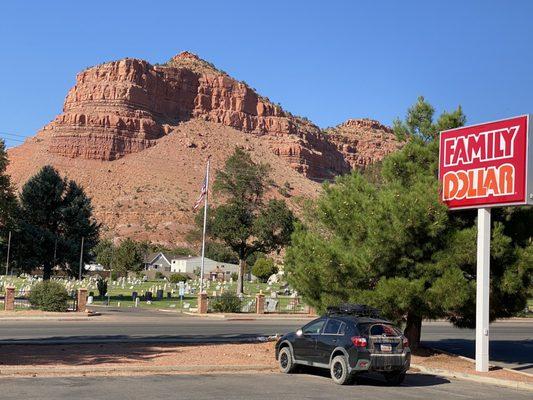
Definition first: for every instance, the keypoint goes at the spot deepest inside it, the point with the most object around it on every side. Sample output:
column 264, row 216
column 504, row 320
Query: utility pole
column 204, row 228
column 81, row 257
column 8, row 250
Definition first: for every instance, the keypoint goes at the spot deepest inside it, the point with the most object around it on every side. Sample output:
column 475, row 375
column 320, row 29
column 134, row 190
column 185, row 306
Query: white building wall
column 189, row 265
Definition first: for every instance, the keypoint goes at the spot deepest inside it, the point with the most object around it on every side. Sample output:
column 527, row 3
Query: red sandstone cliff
column 135, row 136
column 363, row 141
column 123, row 107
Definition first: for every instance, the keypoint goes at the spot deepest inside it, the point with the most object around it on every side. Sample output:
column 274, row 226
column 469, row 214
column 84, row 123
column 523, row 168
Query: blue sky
column 327, row 60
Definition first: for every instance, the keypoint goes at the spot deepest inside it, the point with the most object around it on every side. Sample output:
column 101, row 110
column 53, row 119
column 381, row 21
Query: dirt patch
column 146, row 358
column 432, row 359
column 139, row 354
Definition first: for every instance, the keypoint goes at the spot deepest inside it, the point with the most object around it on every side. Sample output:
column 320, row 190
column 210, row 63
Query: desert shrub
column 101, row 285
column 263, row 268
column 227, row 302
column 175, row 278
column 49, row 296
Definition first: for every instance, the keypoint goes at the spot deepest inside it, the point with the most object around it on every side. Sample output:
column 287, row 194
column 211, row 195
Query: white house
column 158, row 261
column 189, row 265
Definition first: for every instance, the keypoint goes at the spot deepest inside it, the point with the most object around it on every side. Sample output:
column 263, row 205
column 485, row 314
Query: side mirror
column 299, row 332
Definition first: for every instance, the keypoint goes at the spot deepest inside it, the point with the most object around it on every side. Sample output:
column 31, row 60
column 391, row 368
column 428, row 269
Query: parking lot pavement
column 247, row 387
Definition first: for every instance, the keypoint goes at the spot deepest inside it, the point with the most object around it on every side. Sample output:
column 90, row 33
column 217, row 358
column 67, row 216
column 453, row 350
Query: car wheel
column 285, row 361
column 394, row 378
column 339, row 371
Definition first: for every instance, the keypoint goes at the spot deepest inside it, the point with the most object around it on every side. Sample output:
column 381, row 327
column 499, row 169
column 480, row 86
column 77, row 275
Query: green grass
column 123, row 296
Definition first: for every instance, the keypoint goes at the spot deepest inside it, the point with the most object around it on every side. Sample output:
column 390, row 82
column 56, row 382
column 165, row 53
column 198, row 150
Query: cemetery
column 134, row 292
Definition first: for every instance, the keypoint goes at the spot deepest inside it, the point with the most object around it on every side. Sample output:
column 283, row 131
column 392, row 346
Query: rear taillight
column 359, row 341
column 405, row 342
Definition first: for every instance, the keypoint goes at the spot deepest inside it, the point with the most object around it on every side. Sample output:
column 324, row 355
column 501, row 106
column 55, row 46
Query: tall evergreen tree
column 392, row 244
column 8, row 202
column 54, row 216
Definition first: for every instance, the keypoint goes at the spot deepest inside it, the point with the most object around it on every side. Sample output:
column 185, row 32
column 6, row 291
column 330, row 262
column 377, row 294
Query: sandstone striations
column 136, row 134
column 123, row 107
column 363, row 141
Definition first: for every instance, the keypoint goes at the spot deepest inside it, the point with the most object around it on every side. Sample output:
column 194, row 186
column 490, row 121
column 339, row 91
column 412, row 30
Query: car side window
column 313, row 328
column 332, row 327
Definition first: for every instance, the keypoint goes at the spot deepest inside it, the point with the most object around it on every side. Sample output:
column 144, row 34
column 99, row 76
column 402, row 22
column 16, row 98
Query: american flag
column 203, row 192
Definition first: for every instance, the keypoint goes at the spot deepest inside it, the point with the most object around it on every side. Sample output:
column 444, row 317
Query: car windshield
column 378, row 329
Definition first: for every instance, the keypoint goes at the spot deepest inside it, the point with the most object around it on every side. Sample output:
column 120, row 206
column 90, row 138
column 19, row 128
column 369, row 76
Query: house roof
column 167, row 255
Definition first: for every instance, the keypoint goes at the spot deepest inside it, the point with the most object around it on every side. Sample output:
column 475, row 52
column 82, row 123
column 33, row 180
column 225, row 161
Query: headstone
column 134, row 295
column 148, row 296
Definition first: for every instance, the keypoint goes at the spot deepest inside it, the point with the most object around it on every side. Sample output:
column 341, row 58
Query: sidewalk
column 34, row 315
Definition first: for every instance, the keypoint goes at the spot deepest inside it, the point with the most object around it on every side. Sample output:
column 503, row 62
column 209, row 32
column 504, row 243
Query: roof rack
column 356, row 310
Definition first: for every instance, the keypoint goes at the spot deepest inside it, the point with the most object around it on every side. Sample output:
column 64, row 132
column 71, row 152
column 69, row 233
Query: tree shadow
column 119, row 350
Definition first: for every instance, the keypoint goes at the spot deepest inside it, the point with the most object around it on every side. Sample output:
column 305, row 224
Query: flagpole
column 205, row 225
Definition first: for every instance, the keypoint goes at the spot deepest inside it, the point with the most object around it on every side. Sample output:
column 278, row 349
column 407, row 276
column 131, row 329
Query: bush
column 101, row 285
column 175, row 278
column 227, row 302
column 49, row 296
column 159, row 275
column 263, row 268
column 234, row 276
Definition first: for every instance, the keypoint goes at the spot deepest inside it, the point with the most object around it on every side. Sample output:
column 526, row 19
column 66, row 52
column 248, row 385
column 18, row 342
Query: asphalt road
column 511, row 342
column 248, row 387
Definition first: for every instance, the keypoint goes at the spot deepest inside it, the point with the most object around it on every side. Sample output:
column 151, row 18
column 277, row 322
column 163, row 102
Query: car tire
column 339, row 371
column 285, row 361
column 394, row 378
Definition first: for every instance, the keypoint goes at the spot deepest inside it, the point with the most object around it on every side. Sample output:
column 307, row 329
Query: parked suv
column 348, row 340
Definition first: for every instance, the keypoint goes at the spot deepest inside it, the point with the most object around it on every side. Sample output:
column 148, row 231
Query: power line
column 12, row 139
column 13, row 134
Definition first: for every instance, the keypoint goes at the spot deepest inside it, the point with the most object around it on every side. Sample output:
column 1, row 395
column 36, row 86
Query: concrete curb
column 80, row 318
column 251, row 317
column 239, row 339
column 474, row 378
column 9, row 372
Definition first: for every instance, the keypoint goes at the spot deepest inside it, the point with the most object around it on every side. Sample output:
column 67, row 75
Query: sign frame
column 528, row 179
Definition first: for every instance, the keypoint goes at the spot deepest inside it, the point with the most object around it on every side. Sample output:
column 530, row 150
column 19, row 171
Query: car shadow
column 376, row 379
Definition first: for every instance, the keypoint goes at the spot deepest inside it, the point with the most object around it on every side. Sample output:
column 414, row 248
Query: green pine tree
column 390, row 243
column 8, row 202
column 54, row 216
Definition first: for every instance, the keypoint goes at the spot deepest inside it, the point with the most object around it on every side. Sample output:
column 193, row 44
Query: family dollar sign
column 487, row 165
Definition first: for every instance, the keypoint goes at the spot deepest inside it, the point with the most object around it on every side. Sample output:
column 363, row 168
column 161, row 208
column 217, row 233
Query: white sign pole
column 482, row 289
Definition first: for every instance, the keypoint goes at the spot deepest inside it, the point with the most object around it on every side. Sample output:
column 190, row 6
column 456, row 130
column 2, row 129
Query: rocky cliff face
column 135, row 136
column 363, row 141
column 125, row 106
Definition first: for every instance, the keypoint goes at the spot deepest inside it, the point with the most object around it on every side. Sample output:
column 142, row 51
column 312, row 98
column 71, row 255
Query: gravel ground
column 430, row 359
column 114, row 356
column 111, row 355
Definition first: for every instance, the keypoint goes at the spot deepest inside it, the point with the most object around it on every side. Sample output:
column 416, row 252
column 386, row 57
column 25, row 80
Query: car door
column 304, row 345
column 328, row 340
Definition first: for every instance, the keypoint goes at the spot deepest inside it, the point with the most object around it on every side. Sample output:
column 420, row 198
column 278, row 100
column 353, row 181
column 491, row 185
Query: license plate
column 386, row 348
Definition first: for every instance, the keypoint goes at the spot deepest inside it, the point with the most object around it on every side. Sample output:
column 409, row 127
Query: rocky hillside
column 136, row 136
